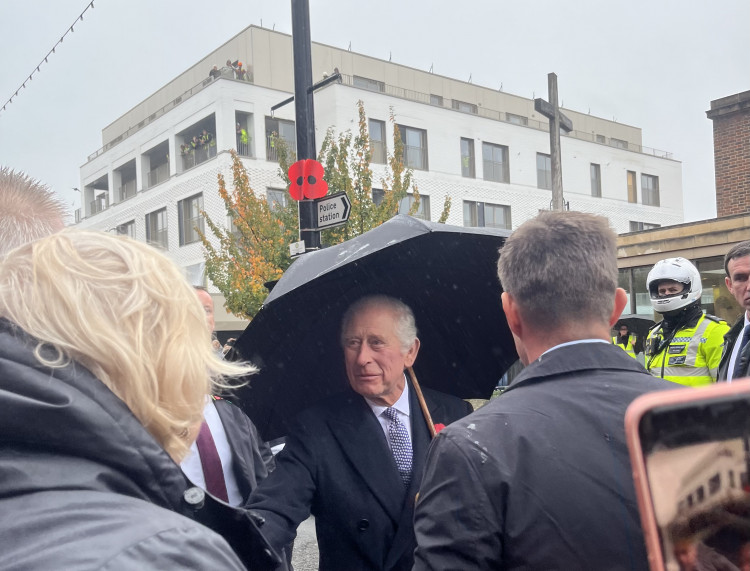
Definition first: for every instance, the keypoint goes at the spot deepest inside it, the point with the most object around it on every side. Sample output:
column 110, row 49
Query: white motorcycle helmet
column 678, row 270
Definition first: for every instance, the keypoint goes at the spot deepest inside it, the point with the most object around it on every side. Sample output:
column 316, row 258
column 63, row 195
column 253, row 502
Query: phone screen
column 697, row 461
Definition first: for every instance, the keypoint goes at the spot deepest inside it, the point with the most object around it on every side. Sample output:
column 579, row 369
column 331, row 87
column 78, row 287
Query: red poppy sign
column 306, row 178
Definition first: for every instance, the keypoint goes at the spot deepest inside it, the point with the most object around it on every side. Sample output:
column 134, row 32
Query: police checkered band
column 400, row 444
column 681, row 339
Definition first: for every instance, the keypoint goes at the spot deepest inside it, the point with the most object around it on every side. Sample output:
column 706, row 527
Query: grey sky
column 655, row 64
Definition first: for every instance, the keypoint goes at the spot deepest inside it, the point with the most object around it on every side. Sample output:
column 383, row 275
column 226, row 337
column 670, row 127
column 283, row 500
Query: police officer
column 625, row 340
column 685, row 347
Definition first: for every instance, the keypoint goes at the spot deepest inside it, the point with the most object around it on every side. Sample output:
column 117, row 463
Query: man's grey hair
column 406, row 327
column 29, row 210
column 737, row 251
column 561, row 267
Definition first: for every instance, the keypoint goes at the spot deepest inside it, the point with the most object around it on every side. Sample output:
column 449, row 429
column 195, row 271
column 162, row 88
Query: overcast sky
column 654, row 64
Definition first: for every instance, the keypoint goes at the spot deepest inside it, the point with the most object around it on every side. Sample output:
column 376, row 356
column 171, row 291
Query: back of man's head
column 28, row 210
column 561, row 268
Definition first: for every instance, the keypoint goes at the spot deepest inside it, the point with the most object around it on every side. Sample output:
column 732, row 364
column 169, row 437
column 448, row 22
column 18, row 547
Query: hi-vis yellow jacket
column 629, row 348
column 693, row 355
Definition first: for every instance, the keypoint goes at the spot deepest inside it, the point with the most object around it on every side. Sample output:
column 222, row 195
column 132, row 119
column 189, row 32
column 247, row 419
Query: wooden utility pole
column 557, row 121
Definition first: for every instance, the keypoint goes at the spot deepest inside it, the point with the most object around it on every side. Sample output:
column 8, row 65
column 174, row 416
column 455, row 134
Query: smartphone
column 690, row 452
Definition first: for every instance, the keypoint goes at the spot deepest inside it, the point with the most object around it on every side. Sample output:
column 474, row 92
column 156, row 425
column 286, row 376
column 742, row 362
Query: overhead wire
column 37, row 68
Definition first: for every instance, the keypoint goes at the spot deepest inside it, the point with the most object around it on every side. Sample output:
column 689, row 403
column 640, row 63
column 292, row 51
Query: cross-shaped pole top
column 557, row 121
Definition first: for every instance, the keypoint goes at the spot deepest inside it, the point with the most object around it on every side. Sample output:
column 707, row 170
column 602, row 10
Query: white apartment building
column 488, row 150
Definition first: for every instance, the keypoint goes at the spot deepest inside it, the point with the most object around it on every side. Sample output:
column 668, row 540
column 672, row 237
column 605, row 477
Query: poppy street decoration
column 306, row 182
column 306, row 178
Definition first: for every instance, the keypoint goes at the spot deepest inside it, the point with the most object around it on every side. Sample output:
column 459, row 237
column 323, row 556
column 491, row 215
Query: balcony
column 196, row 156
column 158, row 175
column 99, row 204
column 272, row 153
column 127, row 190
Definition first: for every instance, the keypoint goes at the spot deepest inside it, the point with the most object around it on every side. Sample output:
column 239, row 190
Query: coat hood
column 63, row 428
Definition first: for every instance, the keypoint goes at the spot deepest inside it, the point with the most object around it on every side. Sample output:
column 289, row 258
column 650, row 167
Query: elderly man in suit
column 355, row 461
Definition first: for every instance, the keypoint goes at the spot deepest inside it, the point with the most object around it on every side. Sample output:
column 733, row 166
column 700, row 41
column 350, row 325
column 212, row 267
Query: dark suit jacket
column 337, row 465
column 540, row 477
column 252, row 458
column 729, row 340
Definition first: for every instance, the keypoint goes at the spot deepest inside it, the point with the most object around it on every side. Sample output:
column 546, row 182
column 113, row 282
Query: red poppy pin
column 439, row 427
column 306, row 178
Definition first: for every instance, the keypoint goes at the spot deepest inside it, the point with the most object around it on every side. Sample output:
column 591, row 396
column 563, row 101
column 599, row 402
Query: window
column 543, row 171
column 377, row 141
column 516, row 119
column 650, row 189
column 127, row 229
column 596, row 180
column 463, row 106
column 632, row 188
column 484, row 214
column 601, row 139
column 190, row 219
column 378, row 194
column 619, row 143
column 436, row 100
column 276, row 199
column 714, row 484
column 495, row 162
column 367, row 83
column 467, row 158
column 404, row 206
column 415, row 147
column 638, row 226
column 156, row 228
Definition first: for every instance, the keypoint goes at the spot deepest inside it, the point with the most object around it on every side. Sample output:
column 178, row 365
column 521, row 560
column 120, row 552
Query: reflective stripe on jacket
column 629, row 348
column 693, row 355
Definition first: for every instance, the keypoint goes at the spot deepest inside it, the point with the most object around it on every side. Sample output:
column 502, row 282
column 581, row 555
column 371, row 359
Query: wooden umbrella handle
column 422, row 404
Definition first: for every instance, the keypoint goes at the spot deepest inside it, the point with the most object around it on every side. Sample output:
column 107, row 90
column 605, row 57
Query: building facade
column 731, row 118
column 485, row 149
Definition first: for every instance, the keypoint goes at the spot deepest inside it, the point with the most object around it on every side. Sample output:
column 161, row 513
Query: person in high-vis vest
column 625, row 340
column 685, row 347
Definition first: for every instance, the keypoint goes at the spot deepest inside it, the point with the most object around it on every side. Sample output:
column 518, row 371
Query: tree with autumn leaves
column 255, row 250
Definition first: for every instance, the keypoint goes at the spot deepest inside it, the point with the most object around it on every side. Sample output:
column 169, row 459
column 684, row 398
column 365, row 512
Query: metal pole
column 304, row 112
column 558, row 202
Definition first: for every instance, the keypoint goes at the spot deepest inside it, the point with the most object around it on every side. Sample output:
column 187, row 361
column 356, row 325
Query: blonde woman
column 105, row 364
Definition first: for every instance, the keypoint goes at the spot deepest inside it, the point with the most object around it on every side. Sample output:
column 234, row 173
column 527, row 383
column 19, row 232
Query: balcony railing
column 503, row 116
column 158, row 175
column 126, row 191
column 272, row 153
column 197, row 156
column 99, row 204
column 243, row 149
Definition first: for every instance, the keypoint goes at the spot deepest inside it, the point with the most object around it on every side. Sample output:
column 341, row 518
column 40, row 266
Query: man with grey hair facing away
column 29, row 210
column 540, row 477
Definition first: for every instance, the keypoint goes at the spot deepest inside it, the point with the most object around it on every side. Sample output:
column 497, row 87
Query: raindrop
column 606, row 437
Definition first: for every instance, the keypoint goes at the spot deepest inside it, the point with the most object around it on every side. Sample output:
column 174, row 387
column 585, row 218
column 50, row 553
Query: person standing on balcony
column 214, row 73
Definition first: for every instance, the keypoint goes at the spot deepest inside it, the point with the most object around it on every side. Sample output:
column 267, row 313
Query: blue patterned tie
column 737, row 368
column 400, row 444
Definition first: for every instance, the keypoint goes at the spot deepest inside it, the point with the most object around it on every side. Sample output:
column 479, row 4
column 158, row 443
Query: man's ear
column 512, row 314
column 621, row 300
column 411, row 354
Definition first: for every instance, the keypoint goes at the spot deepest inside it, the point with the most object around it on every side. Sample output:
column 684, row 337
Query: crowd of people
column 232, row 69
column 198, row 142
column 114, row 432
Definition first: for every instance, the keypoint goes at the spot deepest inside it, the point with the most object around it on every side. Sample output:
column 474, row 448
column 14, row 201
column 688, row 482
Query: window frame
column 595, row 172
column 381, row 156
column 154, row 228
column 477, row 214
column 189, row 234
column 650, row 190
column 490, row 166
column 404, row 131
column 126, row 229
column 544, row 175
column 632, row 186
column 468, row 160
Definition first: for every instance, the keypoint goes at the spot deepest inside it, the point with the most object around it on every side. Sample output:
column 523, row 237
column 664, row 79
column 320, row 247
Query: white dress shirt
column 402, row 408
column 192, row 467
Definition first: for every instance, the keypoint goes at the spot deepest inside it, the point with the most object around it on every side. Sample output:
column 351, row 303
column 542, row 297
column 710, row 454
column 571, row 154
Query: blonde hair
column 123, row 310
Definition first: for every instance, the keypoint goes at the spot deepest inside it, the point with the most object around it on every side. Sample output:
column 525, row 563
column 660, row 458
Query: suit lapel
column 361, row 438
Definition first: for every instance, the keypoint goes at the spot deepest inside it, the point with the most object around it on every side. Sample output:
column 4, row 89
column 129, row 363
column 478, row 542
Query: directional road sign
column 332, row 210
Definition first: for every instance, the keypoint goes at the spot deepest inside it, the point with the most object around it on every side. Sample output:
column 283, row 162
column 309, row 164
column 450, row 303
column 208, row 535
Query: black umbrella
column 446, row 274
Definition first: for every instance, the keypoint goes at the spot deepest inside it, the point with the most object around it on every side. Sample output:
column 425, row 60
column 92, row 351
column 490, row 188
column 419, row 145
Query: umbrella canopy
column 638, row 324
column 446, row 274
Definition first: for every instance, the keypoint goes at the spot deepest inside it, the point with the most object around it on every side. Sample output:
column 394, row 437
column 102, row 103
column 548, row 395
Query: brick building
column 731, row 117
